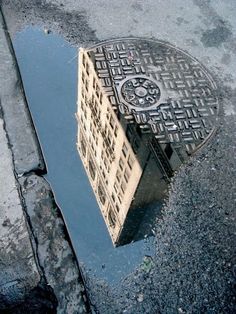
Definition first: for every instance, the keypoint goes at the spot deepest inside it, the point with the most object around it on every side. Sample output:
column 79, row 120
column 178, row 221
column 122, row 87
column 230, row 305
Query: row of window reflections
column 121, row 178
column 102, row 196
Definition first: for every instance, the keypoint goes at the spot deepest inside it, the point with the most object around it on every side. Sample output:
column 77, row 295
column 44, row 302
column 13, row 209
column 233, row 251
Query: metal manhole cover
column 160, row 87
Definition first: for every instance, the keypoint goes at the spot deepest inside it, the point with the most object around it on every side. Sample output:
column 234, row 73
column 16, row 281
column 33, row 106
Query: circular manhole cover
column 160, row 87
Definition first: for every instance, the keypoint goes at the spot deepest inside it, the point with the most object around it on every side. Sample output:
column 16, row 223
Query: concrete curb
column 18, row 122
column 19, row 272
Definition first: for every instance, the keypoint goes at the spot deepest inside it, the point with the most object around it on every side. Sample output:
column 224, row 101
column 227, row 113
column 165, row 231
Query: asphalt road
column 194, row 267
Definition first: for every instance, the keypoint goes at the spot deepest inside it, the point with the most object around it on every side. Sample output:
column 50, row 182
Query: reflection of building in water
column 137, row 126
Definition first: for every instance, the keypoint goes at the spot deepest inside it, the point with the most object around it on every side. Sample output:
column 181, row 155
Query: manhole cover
column 161, row 88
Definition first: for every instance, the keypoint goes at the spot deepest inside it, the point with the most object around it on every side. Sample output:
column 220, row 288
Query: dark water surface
column 48, row 66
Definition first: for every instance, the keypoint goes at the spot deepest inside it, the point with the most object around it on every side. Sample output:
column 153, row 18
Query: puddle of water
column 48, row 67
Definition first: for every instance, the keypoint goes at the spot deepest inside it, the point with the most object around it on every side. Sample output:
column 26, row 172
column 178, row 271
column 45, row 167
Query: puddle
column 48, row 66
column 142, row 108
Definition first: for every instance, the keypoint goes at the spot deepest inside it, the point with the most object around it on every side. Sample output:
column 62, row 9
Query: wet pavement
column 48, row 66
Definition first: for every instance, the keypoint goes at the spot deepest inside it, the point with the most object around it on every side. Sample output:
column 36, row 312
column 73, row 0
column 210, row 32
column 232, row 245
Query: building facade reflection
column 128, row 159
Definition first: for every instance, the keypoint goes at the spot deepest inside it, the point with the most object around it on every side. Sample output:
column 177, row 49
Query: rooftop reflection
column 136, row 127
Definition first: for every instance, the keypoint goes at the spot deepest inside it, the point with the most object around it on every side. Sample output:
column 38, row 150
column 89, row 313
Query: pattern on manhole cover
column 163, row 89
column 140, row 92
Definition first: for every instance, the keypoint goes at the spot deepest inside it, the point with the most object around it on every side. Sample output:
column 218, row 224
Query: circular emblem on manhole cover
column 163, row 89
column 140, row 92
